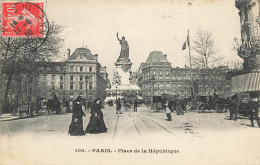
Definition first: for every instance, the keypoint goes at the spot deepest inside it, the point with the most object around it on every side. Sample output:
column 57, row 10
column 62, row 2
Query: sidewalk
column 10, row 116
column 7, row 116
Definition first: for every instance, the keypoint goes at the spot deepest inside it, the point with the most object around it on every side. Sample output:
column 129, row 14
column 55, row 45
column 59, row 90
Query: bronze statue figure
column 124, row 47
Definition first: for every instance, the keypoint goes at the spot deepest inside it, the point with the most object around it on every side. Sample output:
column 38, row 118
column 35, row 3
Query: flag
column 186, row 42
column 184, row 46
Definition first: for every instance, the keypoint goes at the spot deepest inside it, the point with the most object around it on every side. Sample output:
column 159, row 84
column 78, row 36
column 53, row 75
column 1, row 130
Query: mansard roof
column 157, row 57
column 84, row 52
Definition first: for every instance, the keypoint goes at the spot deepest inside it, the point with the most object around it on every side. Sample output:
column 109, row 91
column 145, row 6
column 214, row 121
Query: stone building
column 79, row 75
column 156, row 76
column 156, row 66
column 247, row 79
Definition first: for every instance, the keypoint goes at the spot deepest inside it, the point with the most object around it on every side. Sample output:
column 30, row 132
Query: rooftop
column 156, row 56
column 81, row 52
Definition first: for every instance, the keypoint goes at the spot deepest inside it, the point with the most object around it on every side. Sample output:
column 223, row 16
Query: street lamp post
column 153, row 80
column 64, row 92
column 86, row 81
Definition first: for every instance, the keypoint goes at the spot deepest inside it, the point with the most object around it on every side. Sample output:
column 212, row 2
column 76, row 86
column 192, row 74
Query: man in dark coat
column 233, row 107
column 135, row 105
column 253, row 106
column 56, row 104
column 118, row 106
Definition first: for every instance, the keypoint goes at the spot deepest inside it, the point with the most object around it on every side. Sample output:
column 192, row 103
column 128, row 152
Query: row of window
column 72, row 78
column 72, row 85
column 181, row 85
column 182, row 92
column 149, row 93
column 80, row 69
column 187, row 77
column 149, row 74
column 160, row 73
column 164, row 84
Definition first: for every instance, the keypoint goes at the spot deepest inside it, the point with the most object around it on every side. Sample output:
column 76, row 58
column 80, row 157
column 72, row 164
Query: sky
column 158, row 25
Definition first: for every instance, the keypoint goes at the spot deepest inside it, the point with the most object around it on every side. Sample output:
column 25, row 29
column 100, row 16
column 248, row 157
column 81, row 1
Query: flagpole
column 191, row 78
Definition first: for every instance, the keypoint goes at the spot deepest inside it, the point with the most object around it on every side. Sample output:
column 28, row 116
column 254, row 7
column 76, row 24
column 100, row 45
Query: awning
column 139, row 98
column 124, row 88
column 246, row 82
column 112, row 98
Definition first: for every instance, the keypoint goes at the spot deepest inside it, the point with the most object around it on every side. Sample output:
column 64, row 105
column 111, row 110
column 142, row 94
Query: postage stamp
column 23, row 19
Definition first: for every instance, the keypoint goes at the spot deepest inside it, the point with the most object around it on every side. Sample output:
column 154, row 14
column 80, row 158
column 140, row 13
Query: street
column 139, row 124
column 44, row 139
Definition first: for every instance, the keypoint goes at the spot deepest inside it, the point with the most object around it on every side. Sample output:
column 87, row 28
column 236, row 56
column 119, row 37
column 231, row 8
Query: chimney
column 165, row 55
column 68, row 53
column 95, row 56
column 105, row 68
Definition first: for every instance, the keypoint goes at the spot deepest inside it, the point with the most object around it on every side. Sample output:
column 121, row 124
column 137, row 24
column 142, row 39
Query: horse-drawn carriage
column 53, row 105
column 158, row 102
column 221, row 104
column 27, row 108
column 208, row 103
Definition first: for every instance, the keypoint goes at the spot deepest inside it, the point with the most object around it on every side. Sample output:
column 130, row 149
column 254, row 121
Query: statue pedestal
column 121, row 80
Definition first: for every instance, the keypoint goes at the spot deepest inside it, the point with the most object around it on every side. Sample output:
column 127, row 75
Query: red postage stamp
column 22, row 19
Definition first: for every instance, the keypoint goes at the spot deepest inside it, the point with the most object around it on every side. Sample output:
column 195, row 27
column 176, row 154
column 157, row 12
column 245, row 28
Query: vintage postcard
column 129, row 82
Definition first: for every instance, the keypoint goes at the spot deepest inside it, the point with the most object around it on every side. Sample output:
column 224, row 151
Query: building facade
column 156, row 76
column 158, row 67
column 79, row 75
column 247, row 79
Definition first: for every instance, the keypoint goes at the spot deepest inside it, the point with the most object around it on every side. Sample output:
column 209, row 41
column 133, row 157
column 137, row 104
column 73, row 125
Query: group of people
column 170, row 106
column 252, row 106
column 119, row 105
column 96, row 123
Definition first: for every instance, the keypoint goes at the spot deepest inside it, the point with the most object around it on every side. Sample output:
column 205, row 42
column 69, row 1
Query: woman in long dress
column 168, row 111
column 76, row 126
column 96, row 123
column 179, row 107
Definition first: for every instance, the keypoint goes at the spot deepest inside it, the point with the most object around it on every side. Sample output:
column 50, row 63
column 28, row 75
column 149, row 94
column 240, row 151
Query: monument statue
column 124, row 47
column 124, row 79
column 123, row 60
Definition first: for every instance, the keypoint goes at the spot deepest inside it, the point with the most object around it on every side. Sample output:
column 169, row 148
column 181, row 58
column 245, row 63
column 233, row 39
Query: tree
column 206, row 50
column 19, row 63
column 48, row 51
column 205, row 56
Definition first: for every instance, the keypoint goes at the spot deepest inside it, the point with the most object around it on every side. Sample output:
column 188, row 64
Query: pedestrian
column 253, row 106
column 118, row 106
column 233, row 107
column 135, row 105
column 70, row 106
column 179, row 108
column 168, row 111
column 76, row 126
column 163, row 102
column 56, row 104
column 96, row 123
